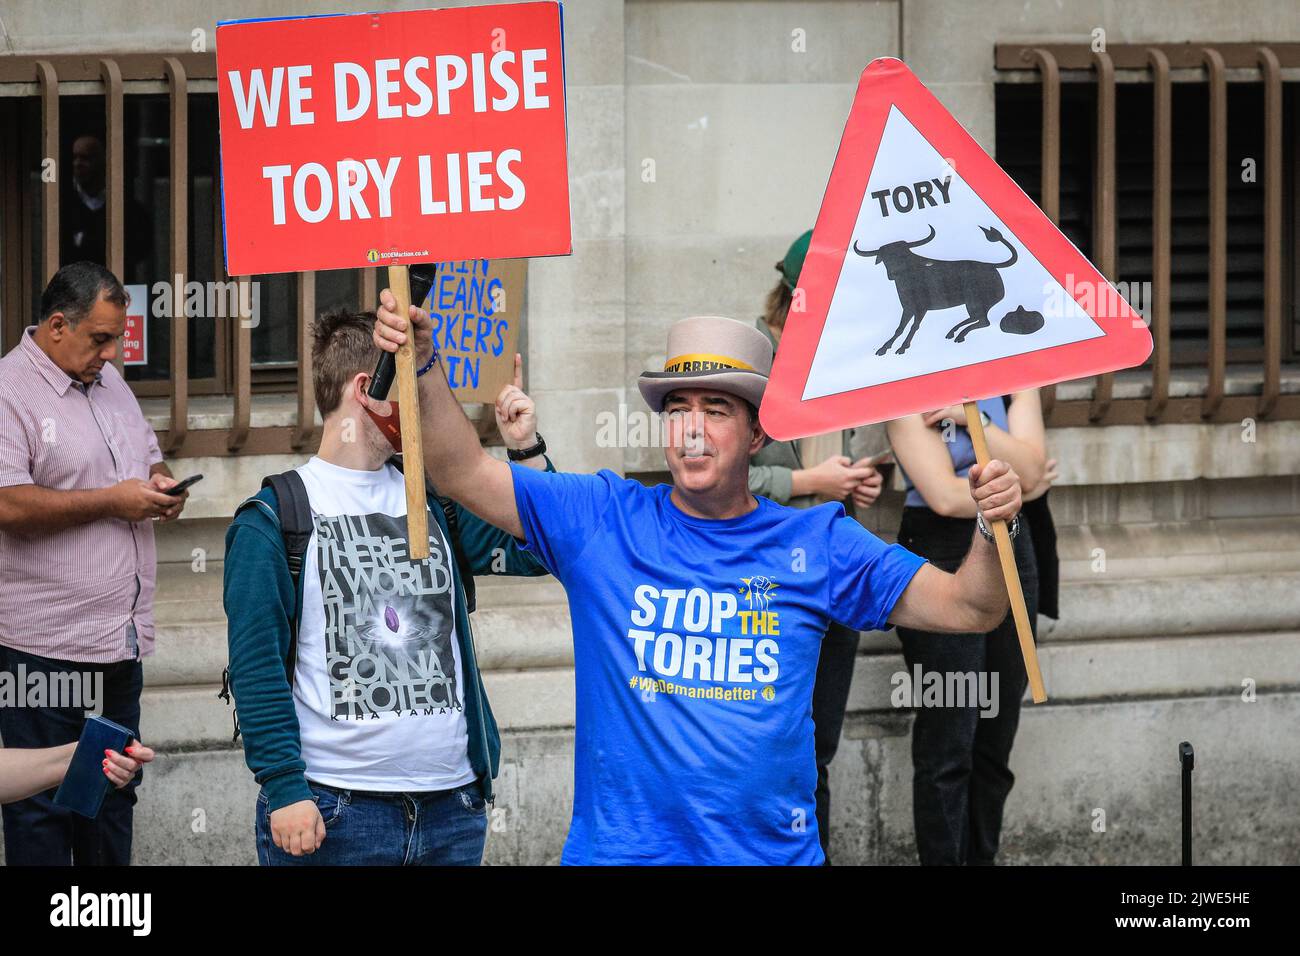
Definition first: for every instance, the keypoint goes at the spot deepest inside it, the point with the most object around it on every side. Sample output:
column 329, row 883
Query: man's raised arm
column 453, row 457
column 974, row 600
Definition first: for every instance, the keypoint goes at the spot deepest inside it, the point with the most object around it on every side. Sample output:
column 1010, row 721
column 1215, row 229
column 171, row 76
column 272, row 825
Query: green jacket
column 771, row 470
column 260, row 602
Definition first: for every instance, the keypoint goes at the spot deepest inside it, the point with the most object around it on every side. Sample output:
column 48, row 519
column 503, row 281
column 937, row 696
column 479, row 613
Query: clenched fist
column 298, row 829
column 391, row 328
column 996, row 490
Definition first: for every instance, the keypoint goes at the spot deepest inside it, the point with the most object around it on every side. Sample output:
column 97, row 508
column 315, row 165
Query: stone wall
column 700, row 142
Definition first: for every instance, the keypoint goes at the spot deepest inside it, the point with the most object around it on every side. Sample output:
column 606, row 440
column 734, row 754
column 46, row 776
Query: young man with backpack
column 353, row 667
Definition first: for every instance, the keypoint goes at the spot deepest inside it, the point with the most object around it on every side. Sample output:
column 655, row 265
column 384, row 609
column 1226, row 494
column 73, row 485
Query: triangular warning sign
column 932, row 279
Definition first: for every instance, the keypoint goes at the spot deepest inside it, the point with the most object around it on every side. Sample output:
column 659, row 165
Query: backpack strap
column 463, row 569
column 462, row 562
column 294, row 508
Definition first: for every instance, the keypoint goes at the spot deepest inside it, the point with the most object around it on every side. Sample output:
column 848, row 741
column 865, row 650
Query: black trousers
column 960, row 760
column 38, row 833
column 830, row 698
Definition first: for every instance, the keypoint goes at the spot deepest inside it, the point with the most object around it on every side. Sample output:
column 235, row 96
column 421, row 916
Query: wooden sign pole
column 1007, row 554
column 408, row 396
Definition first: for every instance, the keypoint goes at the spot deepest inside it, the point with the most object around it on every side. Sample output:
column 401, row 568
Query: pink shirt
column 70, row 595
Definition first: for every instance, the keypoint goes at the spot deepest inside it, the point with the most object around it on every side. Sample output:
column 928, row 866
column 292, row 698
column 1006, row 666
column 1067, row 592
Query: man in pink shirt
column 81, row 482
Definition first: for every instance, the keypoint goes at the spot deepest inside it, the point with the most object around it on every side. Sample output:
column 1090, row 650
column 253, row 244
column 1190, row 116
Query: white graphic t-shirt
column 378, row 684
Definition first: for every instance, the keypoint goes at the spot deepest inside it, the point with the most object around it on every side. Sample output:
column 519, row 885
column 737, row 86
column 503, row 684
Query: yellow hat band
column 703, row 362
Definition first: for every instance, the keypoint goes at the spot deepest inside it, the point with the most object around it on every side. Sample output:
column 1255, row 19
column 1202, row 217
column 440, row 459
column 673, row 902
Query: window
column 1191, row 213
column 82, row 176
column 1019, row 130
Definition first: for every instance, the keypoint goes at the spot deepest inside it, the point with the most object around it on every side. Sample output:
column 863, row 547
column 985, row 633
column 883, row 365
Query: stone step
column 1088, row 456
column 1106, row 605
column 196, row 805
column 1134, row 454
column 191, row 645
column 227, row 481
column 1113, row 606
column 187, row 653
column 1083, row 671
column 1175, row 578
column 177, row 540
column 1130, row 551
column 1164, row 549
column 185, row 596
column 194, row 650
column 185, row 718
column 502, row 592
column 541, row 698
column 1221, row 604
column 521, row 637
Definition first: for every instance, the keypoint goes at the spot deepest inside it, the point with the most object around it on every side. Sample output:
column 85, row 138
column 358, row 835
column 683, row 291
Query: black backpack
column 296, row 527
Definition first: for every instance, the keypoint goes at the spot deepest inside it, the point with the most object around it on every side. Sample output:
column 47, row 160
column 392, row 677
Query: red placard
column 391, row 138
column 135, row 334
column 932, row 279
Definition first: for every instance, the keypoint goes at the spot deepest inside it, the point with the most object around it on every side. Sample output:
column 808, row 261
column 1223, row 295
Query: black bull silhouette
column 925, row 284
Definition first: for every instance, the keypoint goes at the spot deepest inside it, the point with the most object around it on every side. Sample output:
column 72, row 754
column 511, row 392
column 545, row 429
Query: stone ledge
column 1118, row 756
column 1163, row 549
column 1110, row 455
column 1183, row 383
column 1107, row 607
column 1127, row 454
column 191, row 717
column 1137, row 608
column 1087, row 671
column 186, row 718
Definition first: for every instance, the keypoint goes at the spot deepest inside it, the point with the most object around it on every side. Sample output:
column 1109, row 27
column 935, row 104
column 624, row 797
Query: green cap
column 792, row 264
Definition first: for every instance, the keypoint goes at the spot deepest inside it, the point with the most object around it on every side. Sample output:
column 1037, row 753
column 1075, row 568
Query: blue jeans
column 37, row 833
column 437, row 828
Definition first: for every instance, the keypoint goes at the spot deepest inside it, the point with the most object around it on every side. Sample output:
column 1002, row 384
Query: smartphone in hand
column 177, row 490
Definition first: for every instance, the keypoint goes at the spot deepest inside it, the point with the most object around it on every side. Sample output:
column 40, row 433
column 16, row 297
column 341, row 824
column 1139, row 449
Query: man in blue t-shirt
column 697, row 608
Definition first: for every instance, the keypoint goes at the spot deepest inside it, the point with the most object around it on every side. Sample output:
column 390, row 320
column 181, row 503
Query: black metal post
column 1188, row 759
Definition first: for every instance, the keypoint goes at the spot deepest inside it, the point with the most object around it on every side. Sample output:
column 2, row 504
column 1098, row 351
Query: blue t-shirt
column 695, row 650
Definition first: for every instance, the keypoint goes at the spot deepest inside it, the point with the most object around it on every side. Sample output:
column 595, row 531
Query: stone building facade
column 701, row 135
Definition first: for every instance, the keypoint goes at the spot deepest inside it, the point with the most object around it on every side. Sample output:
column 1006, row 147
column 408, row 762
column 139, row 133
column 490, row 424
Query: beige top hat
column 709, row 351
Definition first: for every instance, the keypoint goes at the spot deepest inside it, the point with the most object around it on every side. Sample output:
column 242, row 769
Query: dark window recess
column 1018, row 138
column 274, row 340
column 147, row 143
column 146, row 134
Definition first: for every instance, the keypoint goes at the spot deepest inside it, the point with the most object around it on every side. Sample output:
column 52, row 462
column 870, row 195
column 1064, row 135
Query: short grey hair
column 76, row 288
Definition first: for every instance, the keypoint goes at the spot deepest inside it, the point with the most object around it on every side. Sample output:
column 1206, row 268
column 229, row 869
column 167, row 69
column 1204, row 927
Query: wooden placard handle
column 408, row 397
column 1007, row 555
